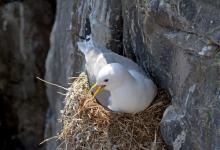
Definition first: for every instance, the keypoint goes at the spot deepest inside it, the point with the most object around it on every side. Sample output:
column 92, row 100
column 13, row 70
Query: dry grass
column 87, row 125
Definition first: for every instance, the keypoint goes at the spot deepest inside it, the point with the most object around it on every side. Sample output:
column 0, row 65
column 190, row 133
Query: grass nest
column 88, row 125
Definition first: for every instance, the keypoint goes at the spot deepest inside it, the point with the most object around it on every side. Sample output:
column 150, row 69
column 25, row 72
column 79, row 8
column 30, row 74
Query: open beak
column 98, row 89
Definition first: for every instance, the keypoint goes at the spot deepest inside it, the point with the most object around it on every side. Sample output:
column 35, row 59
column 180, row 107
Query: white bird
column 120, row 84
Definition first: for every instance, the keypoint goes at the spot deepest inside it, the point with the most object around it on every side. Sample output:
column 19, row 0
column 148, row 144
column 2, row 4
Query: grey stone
column 175, row 41
column 63, row 61
column 24, row 31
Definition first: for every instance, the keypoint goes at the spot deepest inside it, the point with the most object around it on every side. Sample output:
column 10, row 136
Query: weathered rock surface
column 177, row 41
column 63, row 61
column 24, row 33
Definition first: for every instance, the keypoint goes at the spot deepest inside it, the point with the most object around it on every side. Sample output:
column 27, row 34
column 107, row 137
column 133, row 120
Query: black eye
column 106, row 80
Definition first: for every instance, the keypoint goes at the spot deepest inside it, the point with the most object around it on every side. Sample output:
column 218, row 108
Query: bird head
column 110, row 77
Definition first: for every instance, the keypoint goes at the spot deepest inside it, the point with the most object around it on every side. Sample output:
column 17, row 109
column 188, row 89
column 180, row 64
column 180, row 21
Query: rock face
column 63, row 61
column 24, row 33
column 177, row 41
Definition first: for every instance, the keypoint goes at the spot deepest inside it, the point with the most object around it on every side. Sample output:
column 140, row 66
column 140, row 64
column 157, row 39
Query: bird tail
column 85, row 46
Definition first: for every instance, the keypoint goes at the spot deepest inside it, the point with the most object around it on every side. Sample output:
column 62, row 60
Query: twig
column 52, row 84
column 58, row 147
column 61, row 93
column 154, row 144
column 46, row 140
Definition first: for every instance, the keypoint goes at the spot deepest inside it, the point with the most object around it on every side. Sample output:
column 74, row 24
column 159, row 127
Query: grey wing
column 103, row 98
column 129, row 64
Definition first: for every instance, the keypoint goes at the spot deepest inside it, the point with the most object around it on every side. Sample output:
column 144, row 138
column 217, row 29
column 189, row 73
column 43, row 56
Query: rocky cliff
column 24, row 32
column 177, row 41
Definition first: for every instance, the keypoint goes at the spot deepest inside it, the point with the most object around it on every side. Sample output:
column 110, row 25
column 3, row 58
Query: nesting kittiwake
column 120, row 84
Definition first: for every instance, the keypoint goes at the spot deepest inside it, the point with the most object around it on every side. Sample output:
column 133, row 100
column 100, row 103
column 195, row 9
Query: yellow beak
column 98, row 89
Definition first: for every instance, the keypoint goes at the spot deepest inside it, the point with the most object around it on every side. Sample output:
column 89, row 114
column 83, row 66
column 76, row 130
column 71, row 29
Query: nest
column 88, row 125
